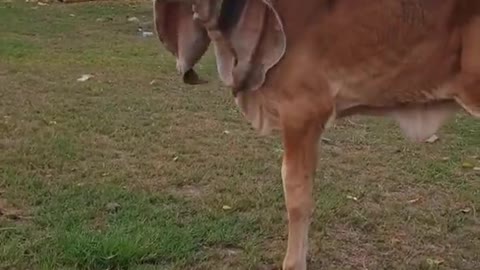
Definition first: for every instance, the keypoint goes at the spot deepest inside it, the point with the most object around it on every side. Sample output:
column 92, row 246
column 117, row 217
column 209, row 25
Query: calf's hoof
column 294, row 265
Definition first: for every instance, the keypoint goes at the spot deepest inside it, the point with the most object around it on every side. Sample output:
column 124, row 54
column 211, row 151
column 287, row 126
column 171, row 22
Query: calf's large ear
column 249, row 40
column 181, row 35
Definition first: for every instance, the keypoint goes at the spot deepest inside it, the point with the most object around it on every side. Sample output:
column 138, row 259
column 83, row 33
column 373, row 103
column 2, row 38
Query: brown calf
column 296, row 65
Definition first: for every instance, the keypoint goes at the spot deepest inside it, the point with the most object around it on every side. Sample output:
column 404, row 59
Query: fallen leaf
column 232, row 252
column 147, row 34
column 112, row 207
column 414, row 200
column 445, row 158
column 434, row 262
column 352, row 198
column 327, row 140
column 85, row 77
column 42, row 4
column 175, row 158
column 477, row 169
column 133, row 19
column 226, row 207
column 104, row 19
column 467, row 165
column 153, row 82
column 466, row 210
column 395, row 240
column 226, row 132
column 432, row 139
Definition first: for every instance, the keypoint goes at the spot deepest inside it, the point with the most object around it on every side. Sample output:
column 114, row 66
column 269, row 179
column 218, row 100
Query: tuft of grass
column 11, row 48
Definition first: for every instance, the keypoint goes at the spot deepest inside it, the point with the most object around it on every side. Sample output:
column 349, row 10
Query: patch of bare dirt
column 9, row 212
column 188, row 191
column 229, row 255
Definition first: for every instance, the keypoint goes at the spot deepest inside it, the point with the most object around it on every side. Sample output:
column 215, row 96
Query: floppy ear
column 185, row 38
column 254, row 30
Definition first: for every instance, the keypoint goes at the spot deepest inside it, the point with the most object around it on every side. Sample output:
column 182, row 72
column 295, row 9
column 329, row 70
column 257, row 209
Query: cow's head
column 247, row 36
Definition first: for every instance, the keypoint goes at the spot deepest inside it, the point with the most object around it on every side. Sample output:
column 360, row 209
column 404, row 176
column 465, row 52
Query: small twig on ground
column 8, row 228
column 353, row 123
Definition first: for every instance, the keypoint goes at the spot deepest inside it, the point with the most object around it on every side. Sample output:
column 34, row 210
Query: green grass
column 74, row 226
column 159, row 153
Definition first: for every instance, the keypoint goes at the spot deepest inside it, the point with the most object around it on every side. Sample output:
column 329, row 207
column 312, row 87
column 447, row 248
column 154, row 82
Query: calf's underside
column 417, row 61
column 417, row 64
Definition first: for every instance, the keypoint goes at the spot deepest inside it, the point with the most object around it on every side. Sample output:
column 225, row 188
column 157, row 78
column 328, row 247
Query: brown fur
column 417, row 61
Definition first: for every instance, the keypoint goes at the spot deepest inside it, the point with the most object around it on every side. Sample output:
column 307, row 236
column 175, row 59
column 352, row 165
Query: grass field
column 134, row 170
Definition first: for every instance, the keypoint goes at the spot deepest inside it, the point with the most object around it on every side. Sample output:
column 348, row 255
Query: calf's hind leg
column 468, row 92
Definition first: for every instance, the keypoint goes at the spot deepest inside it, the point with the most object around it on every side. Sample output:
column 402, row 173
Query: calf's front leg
column 300, row 141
